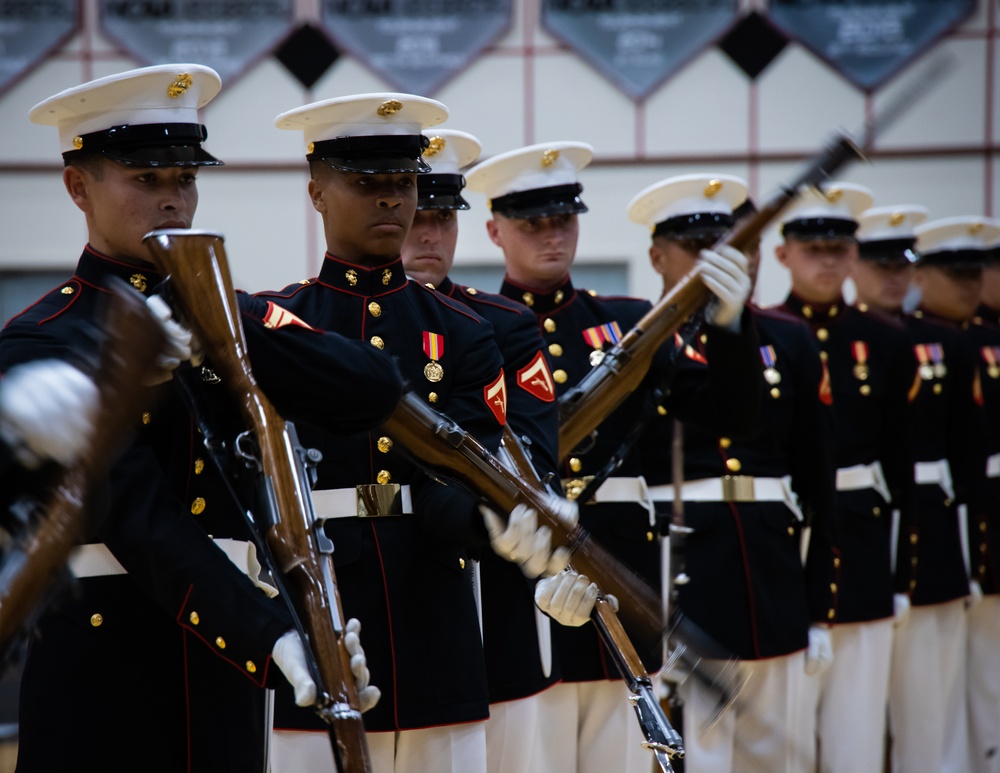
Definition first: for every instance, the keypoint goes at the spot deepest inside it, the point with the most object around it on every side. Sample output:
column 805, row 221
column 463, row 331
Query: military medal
column 434, row 349
column 990, row 355
column 860, row 351
column 771, row 374
column 937, row 356
column 596, row 336
column 925, row 369
column 596, row 357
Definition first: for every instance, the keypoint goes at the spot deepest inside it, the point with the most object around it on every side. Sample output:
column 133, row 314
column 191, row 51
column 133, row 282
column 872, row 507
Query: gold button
column 555, row 350
column 947, row 502
column 528, row 299
column 472, row 291
column 865, row 389
column 833, row 587
column 430, row 285
column 374, row 309
column 383, row 477
column 834, row 310
column 377, row 342
column 432, row 397
column 824, row 356
column 461, row 563
column 830, row 615
column 725, row 442
column 807, row 312
column 560, row 376
column 251, row 667
column 775, row 392
column 918, row 314
column 836, row 562
column 198, row 506
column 558, row 298
column 220, row 642
column 862, row 307
column 575, row 464
column 704, row 338
column 913, row 584
column 661, row 410
column 937, row 389
column 193, row 617
column 822, row 334
column 147, row 417
column 982, row 569
column 549, row 325
column 96, row 619
column 876, row 510
column 982, row 526
column 913, row 539
column 199, row 466
column 791, row 531
column 384, row 444
column 649, row 536
column 913, row 561
column 67, row 291
column 982, row 548
column 733, row 465
column 592, row 293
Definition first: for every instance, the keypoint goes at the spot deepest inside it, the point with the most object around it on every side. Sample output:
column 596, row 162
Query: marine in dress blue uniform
column 927, row 706
column 870, row 365
column 751, row 501
column 517, row 639
column 405, row 570
column 534, row 194
column 166, row 639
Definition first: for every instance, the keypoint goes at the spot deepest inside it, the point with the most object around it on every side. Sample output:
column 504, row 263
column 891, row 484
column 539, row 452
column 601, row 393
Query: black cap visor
column 540, row 202
column 956, row 262
column 889, row 252
column 706, row 227
column 149, row 145
column 820, row 228
column 441, row 191
column 378, row 154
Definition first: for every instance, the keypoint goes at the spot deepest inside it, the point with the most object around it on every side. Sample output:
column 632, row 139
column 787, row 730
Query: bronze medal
column 861, row 371
column 433, row 371
column 771, row 376
column 926, row 372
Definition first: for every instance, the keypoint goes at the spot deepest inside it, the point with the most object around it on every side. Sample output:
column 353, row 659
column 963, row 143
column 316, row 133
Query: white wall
column 527, row 88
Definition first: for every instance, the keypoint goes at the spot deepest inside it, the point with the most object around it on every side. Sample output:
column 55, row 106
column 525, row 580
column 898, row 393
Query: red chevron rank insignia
column 277, row 317
column 495, row 395
column 535, row 379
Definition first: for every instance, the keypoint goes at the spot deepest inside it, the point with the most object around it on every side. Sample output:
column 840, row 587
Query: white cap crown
column 686, row 195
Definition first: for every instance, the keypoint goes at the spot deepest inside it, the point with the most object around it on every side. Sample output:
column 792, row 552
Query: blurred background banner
column 868, row 42
column 638, row 44
column 416, row 45
column 29, row 31
column 227, row 35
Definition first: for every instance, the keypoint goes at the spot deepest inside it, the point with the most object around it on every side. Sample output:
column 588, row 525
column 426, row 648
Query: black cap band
column 374, row 154
column 540, row 202
column 820, row 228
column 699, row 224
column 441, row 191
column 955, row 258
column 153, row 144
column 888, row 251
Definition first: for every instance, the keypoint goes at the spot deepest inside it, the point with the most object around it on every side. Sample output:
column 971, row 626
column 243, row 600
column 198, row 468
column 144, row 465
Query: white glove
column 900, row 608
column 180, row 344
column 975, row 593
column 819, row 656
column 524, row 542
column 47, row 411
column 568, row 598
column 368, row 694
column 724, row 272
column 290, row 656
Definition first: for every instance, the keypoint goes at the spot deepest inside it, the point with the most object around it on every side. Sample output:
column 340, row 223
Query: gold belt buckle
column 575, row 486
column 378, row 499
column 738, row 488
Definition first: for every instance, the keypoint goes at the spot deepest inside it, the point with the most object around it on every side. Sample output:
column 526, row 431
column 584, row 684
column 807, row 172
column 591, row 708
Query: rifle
column 199, row 276
column 45, row 532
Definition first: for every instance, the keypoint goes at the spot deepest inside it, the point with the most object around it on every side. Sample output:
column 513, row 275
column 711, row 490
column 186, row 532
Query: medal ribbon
column 923, row 356
column 937, row 353
column 768, row 356
column 860, row 351
column 433, row 345
column 990, row 355
column 596, row 336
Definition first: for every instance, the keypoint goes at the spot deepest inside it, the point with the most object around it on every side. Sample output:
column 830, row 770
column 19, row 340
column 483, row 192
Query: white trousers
column 761, row 733
column 591, row 728
column 448, row 749
column 983, row 685
column 848, row 699
column 927, row 720
column 518, row 737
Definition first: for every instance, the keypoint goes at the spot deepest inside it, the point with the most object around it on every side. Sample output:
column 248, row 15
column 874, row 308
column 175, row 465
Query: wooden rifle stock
column 583, row 407
column 133, row 340
column 199, row 275
column 439, row 445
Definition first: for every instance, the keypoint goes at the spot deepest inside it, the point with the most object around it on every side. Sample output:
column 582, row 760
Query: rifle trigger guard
column 245, row 448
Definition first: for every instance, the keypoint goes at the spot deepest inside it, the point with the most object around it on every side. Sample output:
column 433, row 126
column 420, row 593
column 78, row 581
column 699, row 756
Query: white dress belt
column 935, row 472
column 613, row 490
column 993, row 466
column 862, row 476
column 733, row 488
column 96, row 560
column 368, row 501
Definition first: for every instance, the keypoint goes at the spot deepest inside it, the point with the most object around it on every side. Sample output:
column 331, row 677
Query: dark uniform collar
column 923, row 313
column 540, row 303
column 815, row 313
column 986, row 314
column 445, row 287
column 364, row 281
column 94, row 268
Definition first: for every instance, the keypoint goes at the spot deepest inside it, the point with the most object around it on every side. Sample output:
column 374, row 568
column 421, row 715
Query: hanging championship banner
column 416, row 45
column 29, row 32
column 637, row 44
column 868, row 42
column 226, row 35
